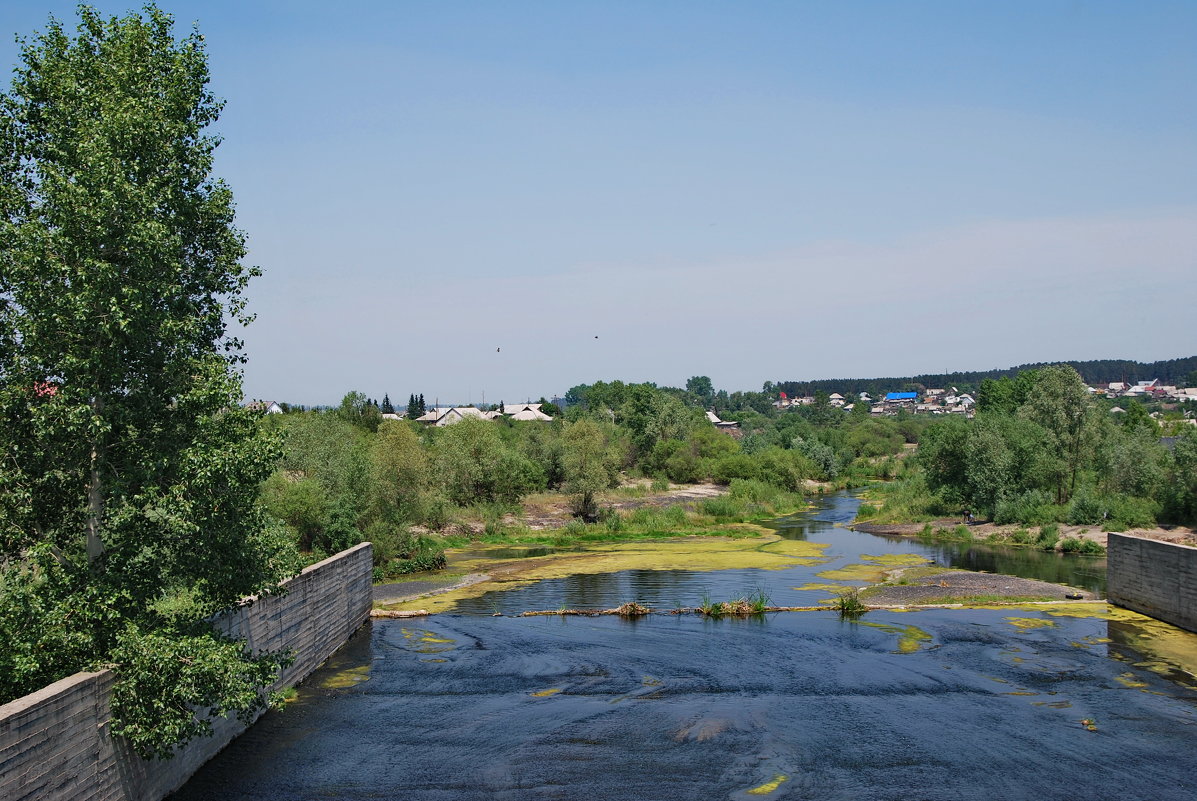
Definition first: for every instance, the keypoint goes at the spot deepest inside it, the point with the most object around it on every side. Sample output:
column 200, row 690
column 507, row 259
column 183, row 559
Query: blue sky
column 751, row 191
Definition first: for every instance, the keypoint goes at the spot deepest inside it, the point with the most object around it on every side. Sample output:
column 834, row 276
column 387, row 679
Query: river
column 942, row 704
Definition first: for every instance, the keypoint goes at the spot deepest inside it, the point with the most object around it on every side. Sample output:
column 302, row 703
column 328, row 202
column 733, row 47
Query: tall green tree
column 587, row 464
column 130, row 475
column 701, row 387
column 1059, row 403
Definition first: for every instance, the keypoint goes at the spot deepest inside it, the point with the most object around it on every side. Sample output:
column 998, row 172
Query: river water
column 944, row 704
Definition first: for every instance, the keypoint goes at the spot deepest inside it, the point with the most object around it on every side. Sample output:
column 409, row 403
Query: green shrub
column 722, row 507
column 684, row 467
column 1087, row 508
column 737, row 465
column 1126, row 511
column 417, row 564
column 1049, row 535
column 849, row 604
column 755, row 491
column 1033, row 507
column 785, row 468
column 1081, row 546
column 1023, row 537
column 866, row 511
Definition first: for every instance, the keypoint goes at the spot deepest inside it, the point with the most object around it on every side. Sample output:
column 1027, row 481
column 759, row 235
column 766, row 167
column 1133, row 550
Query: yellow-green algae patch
column 909, row 637
column 1168, row 649
column 1129, row 680
column 766, row 552
column 896, row 559
column 770, row 786
column 426, row 642
column 350, row 677
column 868, row 574
column 1097, row 611
column 1029, row 623
column 872, row 569
column 821, row 587
column 545, row 693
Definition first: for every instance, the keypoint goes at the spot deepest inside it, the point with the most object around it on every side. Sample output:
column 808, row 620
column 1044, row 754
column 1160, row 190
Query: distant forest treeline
column 1099, row 371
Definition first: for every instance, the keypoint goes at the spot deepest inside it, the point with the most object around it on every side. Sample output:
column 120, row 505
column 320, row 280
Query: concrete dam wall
column 1155, row 578
column 56, row 743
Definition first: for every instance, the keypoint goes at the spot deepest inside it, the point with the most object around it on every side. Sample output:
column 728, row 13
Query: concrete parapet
column 55, row 743
column 1153, row 577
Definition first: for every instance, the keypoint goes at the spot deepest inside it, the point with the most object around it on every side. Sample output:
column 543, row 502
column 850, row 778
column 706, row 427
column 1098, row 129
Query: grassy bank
column 732, row 514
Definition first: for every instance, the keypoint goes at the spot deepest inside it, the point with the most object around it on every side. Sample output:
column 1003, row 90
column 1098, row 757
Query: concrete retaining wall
column 56, row 744
column 1156, row 578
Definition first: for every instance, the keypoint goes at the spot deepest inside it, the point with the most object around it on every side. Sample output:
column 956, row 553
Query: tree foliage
column 587, row 465
column 130, row 474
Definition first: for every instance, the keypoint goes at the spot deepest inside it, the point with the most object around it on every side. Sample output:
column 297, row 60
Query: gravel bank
column 965, row 584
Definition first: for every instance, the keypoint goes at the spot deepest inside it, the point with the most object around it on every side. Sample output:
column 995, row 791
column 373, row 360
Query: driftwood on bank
column 636, row 610
column 393, row 613
column 685, row 610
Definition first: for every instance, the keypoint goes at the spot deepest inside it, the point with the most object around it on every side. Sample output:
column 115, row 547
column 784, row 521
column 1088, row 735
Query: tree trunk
column 95, row 494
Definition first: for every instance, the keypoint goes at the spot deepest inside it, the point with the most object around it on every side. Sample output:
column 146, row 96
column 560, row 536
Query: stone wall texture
column 56, row 744
column 1156, row 578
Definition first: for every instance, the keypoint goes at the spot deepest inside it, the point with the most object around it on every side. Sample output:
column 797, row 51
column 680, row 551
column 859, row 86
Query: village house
column 269, row 407
column 901, row 398
column 526, row 411
column 722, row 425
column 447, row 415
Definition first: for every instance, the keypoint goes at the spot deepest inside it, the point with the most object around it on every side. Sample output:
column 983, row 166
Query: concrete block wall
column 1153, row 577
column 56, row 743
column 52, row 742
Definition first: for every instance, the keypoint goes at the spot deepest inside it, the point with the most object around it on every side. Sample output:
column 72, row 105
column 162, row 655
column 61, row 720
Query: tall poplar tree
column 128, row 470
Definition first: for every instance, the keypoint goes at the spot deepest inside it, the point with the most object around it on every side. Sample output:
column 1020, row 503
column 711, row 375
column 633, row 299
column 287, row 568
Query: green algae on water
column 765, row 552
column 770, row 786
column 350, row 677
column 1030, row 623
column 817, row 586
column 872, row 569
column 910, row 638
